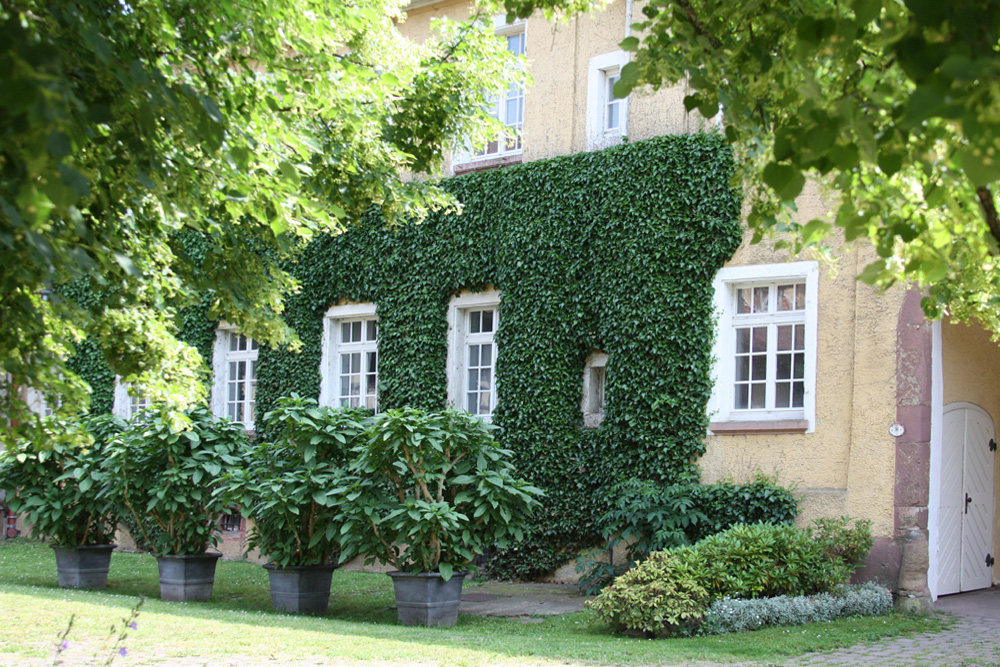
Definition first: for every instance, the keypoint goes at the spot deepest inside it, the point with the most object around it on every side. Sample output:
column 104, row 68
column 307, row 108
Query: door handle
column 968, row 499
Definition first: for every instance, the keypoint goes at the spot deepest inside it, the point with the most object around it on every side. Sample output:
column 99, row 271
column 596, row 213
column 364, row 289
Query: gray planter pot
column 187, row 578
column 84, row 567
column 426, row 599
column 301, row 590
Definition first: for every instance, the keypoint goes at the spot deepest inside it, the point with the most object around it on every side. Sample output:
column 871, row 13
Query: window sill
column 483, row 165
column 759, row 427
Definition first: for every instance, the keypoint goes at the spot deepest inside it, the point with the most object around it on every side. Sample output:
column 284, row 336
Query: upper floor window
column 766, row 348
column 612, row 104
column 235, row 376
column 349, row 367
column 473, row 322
column 508, row 108
column 607, row 114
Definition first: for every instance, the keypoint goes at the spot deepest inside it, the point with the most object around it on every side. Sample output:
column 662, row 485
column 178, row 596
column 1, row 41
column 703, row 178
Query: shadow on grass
column 360, row 606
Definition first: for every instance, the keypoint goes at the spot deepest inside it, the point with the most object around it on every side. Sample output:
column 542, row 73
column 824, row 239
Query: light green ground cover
column 237, row 627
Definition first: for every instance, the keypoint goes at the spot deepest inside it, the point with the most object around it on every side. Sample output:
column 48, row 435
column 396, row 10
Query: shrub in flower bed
column 660, row 598
column 647, row 516
column 737, row 615
column 765, row 560
column 663, row 594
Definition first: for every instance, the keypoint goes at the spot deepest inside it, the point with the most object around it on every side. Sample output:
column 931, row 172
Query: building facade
column 821, row 381
column 825, row 384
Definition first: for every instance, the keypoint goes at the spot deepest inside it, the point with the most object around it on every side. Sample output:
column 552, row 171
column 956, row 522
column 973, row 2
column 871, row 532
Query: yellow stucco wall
column 417, row 24
column 971, row 373
column 555, row 107
column 847, row 465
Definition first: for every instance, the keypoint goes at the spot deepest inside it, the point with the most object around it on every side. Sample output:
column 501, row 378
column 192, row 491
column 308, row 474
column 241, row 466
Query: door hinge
column 989, row 560
column 993, row 445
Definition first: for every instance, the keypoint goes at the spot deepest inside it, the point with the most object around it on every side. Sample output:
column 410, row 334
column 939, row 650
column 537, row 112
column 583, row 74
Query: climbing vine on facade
column 610, row 251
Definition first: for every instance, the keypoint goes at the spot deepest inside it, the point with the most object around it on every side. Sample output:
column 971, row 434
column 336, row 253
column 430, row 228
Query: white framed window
column 37, row 403
column 349, row 363
column 128, row 400
column 594, row 380
column 473, row 320
column 765, row 350
column 508, row 108
column 234, row 365
column 607, row 115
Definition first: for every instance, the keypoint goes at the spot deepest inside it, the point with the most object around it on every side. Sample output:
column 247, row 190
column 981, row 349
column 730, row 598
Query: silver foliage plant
column 744, row 615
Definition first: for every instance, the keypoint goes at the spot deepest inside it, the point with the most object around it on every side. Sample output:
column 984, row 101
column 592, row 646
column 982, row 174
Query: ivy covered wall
column 612, row 250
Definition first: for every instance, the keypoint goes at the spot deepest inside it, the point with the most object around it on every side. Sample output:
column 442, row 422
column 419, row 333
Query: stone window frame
column 221, row 357
column 126, row 404
column 331, row 346
column 459, row 339
column 593, row 403
column 725, row 419
column 600, row 68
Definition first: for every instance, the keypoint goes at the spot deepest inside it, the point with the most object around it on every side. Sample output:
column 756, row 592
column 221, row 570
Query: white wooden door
column 966, row 514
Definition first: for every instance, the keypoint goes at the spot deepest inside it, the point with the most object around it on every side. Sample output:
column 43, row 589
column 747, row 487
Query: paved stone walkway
column 973, row 640
column 521, row 600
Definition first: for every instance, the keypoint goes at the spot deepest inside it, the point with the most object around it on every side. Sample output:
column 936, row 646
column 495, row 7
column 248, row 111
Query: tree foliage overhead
column 895, row 104
column 123, row 124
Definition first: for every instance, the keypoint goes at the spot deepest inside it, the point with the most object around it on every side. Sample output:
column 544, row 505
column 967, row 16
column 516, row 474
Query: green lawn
column 237, row 627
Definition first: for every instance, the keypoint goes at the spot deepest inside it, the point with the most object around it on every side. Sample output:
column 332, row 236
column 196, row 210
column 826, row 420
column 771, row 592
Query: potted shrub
column 282, row 486
column 168, row 474
column 64, row 489
column 430, row 492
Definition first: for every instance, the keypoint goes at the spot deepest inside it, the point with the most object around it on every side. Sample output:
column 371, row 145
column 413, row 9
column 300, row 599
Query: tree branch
column 989, row 211
column 698, row 26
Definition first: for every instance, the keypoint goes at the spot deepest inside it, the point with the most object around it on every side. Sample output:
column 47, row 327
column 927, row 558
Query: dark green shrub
column 662, row 597
column 168, row 474
column 651, row 517
column 745, row 561
column 64, row 488
column 284, row 485
column 647, row 517
column 850, row 545
column 764, row 560
column 726, row 504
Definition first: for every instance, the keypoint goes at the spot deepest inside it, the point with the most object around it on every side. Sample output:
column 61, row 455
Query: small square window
column 231, row 521
column 594, row 381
